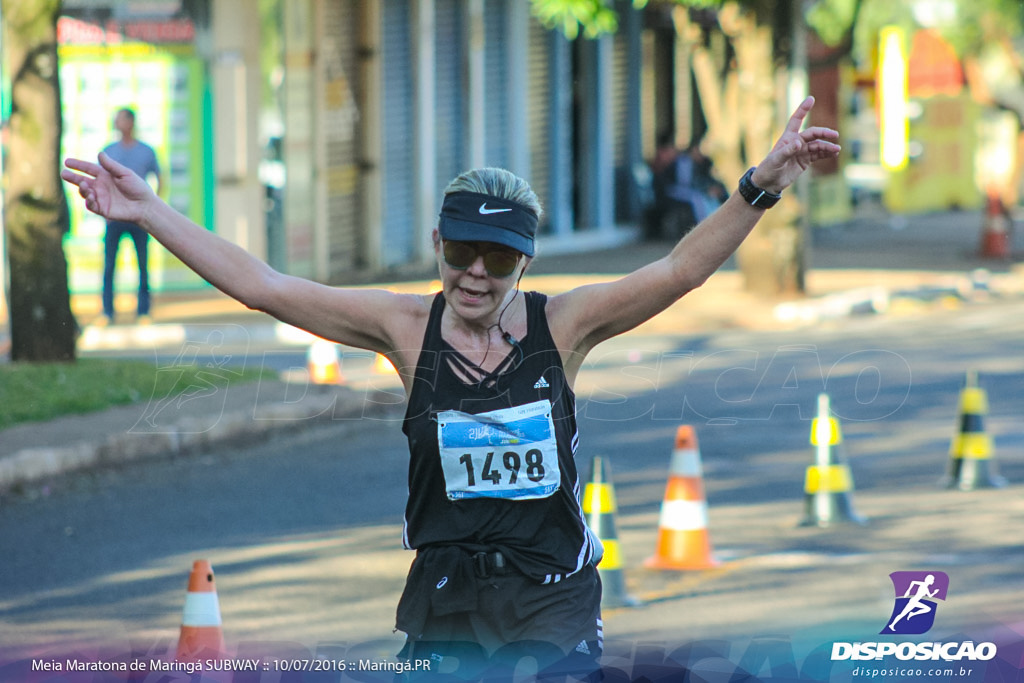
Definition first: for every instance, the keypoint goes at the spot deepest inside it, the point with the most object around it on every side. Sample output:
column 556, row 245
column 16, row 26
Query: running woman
column 504, row 563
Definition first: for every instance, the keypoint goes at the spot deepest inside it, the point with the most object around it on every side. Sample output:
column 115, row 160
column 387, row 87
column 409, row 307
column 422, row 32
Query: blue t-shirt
column 138, row 156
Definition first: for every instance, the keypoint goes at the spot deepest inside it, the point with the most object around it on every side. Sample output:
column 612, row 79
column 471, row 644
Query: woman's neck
column 487, row 332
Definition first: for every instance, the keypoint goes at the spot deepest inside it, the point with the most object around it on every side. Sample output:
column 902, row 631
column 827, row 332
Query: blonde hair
column 499, row 183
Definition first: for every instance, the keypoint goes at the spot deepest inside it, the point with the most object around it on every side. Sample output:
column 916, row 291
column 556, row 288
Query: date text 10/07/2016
column 191, row 667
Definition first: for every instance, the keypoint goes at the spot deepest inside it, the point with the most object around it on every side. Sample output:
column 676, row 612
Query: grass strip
column 33, row 392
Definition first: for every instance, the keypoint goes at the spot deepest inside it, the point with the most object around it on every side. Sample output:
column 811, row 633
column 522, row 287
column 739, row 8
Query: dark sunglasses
column 499, row 262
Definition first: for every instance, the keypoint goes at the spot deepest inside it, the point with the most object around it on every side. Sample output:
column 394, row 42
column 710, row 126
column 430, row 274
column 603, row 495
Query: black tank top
column 492, row 464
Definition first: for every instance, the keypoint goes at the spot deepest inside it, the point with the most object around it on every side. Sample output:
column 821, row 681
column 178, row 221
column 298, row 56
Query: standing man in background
column 141, row 159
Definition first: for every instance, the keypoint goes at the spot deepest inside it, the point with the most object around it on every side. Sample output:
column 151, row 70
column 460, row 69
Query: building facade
column 190, row 71
column 320, row 134
column 383, row 102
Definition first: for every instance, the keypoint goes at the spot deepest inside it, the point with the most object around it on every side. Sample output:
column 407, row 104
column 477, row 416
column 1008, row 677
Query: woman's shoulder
column 413, row 310
column 414, row 307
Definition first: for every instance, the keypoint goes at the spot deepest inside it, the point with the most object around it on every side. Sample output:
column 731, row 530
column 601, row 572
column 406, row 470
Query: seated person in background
column 685, row 190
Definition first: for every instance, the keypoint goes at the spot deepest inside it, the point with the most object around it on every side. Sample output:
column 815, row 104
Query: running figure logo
column 916, row 593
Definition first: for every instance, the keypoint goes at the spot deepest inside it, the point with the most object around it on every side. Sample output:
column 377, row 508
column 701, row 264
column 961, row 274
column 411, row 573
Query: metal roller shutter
column 539, row 112
column 450, row 89
column 398, row 210
column 496, row 95
column 340, row 131
column 618, row 93
column 625, row 94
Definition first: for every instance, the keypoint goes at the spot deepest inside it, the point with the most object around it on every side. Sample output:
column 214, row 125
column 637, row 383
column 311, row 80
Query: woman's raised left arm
column 582, row 318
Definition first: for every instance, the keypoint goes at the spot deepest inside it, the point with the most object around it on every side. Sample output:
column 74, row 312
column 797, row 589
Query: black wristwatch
column 754, row 195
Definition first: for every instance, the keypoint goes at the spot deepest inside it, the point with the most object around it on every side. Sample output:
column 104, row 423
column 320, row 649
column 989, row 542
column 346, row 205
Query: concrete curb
column 976, row 286
column 121, row 337
column 192, row 434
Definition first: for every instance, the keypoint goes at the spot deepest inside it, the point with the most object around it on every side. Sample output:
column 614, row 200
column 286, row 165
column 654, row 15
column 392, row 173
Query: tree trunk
column 739, row 104
column 35, row 208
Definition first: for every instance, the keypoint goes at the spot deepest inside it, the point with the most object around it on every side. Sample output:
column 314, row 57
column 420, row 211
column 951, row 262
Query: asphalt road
column 304, row 532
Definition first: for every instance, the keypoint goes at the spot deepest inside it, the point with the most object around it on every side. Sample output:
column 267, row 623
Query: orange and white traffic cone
column 382, row 365
column 971, row 465
column 599, row 508
column 995, row 230
column 828, row 485
column 324, row 363
column 683, row 541
column 201, row 634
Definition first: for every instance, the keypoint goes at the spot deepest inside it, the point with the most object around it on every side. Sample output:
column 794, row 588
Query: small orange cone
column 383, row 366
column 201, row 634
column 683, row 541
column 599, row 508
column 828, row 484
column 324, row 363
column 995, row 230
column 971, row 465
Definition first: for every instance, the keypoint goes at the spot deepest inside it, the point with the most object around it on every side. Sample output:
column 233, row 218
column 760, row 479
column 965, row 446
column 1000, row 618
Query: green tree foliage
column 853, row 23
column 961, row 22
column 974, row 18
column 595, row 17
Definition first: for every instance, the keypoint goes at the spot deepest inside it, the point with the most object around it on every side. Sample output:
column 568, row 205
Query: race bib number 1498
column 509, row 453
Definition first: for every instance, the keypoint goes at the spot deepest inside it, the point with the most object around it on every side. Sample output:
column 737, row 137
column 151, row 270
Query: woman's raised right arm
column 363, row 318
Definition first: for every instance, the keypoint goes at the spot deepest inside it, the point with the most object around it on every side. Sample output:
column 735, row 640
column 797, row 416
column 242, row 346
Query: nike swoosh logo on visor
column 484, row 210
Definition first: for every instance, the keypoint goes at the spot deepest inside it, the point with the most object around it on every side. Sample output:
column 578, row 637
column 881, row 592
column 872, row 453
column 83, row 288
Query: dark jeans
column 111, row 242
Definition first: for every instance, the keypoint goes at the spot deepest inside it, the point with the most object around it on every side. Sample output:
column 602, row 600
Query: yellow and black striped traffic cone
column 971, row 465
column 599, row 508
column 828, row 486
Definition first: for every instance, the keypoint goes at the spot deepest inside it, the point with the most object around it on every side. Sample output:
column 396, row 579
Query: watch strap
column 756, row 196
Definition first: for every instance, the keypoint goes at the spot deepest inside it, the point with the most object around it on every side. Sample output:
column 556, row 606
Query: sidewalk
column 873, row 265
